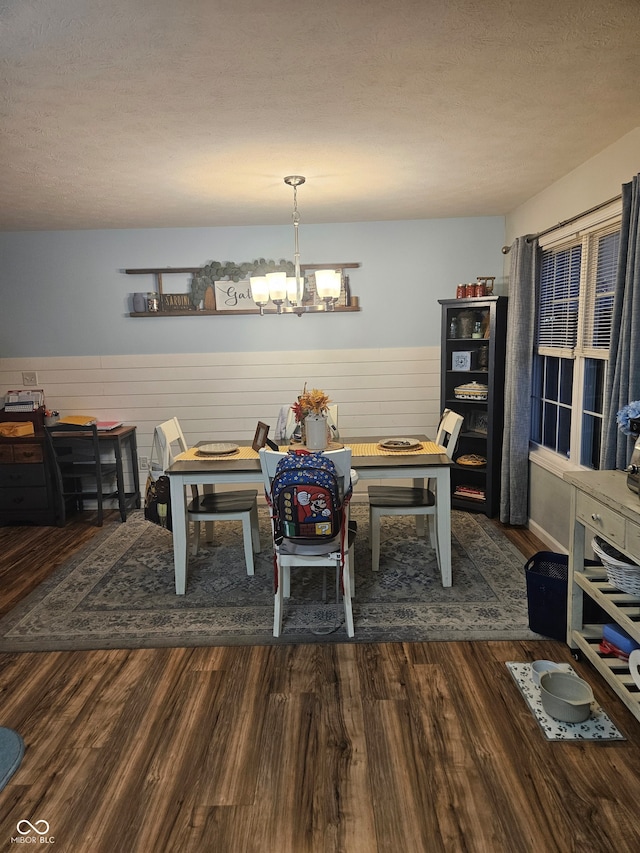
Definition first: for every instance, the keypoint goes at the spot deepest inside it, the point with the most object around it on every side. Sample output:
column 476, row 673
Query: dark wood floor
column 359, row 748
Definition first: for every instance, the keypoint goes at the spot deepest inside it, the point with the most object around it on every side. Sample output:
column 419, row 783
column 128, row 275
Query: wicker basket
column 623, row 575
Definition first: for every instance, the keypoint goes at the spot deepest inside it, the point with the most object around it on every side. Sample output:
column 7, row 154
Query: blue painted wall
column 64, row 293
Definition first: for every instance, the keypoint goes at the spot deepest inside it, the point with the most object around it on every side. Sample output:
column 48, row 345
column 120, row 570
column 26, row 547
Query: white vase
column 316, row 430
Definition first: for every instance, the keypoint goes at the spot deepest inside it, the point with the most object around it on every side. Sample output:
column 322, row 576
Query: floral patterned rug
column 119, row 592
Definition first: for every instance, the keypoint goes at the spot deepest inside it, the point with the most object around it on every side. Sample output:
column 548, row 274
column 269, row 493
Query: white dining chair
column 238, row 505
column 413, row 501
column 337, row 553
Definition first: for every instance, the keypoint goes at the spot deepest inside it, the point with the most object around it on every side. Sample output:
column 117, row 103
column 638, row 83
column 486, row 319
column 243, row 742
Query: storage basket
column 621, row 573
column 547, row 580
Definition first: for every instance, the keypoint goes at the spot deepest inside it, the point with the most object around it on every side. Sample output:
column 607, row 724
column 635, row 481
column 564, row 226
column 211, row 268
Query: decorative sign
column 176, row 302
column 234, row 296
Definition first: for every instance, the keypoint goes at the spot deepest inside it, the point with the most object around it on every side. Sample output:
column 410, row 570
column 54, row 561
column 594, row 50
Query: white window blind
column 559, row 298
column 599, row 289
column 575, row 309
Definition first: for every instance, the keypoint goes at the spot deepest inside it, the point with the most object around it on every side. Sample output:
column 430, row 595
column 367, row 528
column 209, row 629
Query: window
column 575, row 304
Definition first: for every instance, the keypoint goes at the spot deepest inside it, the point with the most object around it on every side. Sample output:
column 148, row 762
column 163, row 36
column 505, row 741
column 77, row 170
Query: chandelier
column 287, row 292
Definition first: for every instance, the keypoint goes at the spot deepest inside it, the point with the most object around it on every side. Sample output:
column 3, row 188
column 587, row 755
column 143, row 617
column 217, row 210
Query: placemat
column 372, row 449
column 597, row 727
column 191, row 455
column 362, row 449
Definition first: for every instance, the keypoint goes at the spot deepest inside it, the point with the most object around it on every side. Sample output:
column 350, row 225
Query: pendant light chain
column 295, row 181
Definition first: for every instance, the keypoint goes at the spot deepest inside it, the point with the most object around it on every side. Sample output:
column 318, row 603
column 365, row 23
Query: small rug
column 597, row 727
column 11, row 752
column 119, row 592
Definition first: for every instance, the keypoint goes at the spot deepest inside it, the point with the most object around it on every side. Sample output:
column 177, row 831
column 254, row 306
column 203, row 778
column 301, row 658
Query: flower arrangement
column 314, row 402
column 628, row 413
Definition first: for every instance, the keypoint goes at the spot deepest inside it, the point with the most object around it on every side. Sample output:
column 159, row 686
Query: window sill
column 552, row 462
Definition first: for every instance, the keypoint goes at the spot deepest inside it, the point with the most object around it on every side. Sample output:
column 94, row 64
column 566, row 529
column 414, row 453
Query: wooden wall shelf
column 159, row 272
column 308, row 309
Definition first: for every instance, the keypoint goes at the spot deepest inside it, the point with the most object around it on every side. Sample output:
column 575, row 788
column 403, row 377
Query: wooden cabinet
column 26, row 487
column 602, row 504
column 473, row 354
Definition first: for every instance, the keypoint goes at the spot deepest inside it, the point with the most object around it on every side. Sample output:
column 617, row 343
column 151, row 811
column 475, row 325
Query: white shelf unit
column 602, row 504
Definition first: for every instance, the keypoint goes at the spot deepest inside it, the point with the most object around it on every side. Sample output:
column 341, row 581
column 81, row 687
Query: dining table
column 368, row 458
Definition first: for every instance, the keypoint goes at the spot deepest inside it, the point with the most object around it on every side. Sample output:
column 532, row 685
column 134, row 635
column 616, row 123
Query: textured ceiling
column 157, row 113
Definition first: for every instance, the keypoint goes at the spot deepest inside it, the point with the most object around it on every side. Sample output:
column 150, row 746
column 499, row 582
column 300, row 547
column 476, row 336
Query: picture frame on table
column 260, row 439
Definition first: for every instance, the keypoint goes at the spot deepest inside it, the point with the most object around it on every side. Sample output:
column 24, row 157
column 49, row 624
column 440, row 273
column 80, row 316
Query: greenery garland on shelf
column 231, row 271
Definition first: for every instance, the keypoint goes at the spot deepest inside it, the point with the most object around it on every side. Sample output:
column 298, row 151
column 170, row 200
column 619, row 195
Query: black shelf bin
column 547, row 576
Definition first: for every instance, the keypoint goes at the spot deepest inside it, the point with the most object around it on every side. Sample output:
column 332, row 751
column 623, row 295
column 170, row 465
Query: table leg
column 135, row 473
column 180, row 531
column 421, row 527
column 442, row 477
column 209, row 489
column 122, row 498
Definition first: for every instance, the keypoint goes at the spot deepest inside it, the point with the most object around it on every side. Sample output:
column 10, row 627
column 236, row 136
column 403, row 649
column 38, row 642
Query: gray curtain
column 623, row 376
column 517, row 393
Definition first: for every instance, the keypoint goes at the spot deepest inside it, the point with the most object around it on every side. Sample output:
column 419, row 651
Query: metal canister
column 153, row 302
column 480, row 289
column 461, row 291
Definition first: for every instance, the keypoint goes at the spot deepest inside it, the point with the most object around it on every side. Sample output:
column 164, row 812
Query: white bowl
column 565, row 696
column 540, row 666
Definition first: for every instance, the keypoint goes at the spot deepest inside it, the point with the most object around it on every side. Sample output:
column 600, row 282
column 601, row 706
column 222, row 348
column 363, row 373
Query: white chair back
column 449, row 430
column 165, row 437
column 341, row 459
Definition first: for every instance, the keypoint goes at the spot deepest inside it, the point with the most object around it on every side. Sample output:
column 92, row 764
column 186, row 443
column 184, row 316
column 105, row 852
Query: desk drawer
column 23, row 499
column 27, row 453
column 6, row 453
column 633, row 540
column 600, row 518
column 15, row 476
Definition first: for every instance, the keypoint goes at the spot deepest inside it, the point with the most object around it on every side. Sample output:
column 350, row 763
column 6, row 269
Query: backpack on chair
column 306, row 502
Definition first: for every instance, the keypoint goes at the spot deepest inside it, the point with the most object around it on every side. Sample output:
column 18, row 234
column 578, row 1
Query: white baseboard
column 548, row 540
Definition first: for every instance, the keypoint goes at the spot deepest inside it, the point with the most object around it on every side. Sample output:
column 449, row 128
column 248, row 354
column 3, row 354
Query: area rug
column 119, row 592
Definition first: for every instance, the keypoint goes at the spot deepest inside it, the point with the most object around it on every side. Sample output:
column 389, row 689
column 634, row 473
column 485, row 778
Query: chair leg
column 374, row 535
column 285, row 581
column 255, row 530
column 248, row 544
column 346, row 598
column 352, row 571
column 433, row 530
column 277, row 606
column 196, row 538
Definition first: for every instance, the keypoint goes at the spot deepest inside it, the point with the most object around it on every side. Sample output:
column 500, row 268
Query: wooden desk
column 120, row 442
column 416, row 466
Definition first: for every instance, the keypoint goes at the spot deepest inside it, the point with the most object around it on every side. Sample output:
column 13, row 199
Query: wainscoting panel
column 221, row 396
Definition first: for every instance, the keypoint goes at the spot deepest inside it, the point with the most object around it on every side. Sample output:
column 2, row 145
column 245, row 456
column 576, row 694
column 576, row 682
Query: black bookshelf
column 473, row 350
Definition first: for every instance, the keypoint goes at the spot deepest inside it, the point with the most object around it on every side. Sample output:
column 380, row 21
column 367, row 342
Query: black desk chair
column 79, row 472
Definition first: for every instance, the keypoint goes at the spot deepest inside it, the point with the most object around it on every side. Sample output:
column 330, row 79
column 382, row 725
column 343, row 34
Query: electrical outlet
column 29, row 377
column 144, row 463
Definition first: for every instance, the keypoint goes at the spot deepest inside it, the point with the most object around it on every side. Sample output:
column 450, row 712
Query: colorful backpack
column 305, row 498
